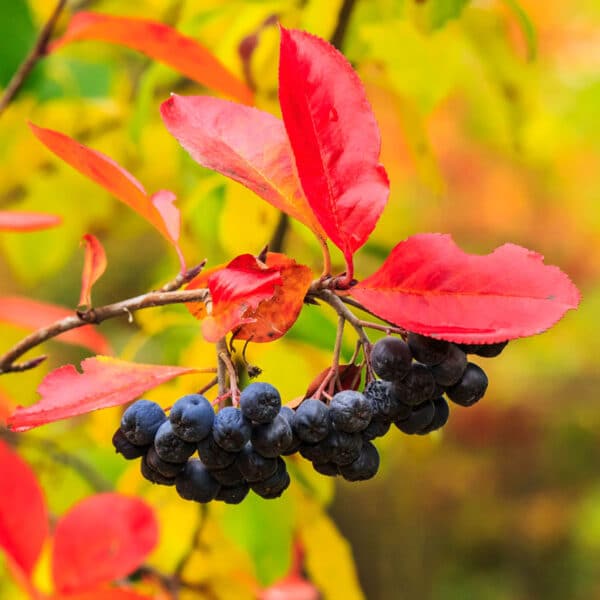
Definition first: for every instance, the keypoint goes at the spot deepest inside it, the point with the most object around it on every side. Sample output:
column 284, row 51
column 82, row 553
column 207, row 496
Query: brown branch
column 35, row 54
column 95, row 316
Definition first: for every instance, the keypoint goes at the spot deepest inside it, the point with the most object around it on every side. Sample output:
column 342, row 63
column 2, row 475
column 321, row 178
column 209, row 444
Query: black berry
column 452, row 368
column 350, row 411
column 391, row 358
column 125, row 447
column 272, row 439
column 234, row 494
column 470, row 388
column 420, row 417
column 170, row 447
column 231, row 430
column 254, row 466
column 141, row 421
column 213, row 456
column 196, row 483
column 426, row 350
column 260, row 402
column 192, row 417
column 311, row 421
column 275, row 485
column 167, row 469
column 364, row 467
column 484, row 350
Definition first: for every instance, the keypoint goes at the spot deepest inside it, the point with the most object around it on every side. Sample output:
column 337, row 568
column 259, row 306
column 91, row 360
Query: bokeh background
column 490, row 118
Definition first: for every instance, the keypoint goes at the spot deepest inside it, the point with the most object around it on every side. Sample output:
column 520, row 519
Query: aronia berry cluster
column 241, row 448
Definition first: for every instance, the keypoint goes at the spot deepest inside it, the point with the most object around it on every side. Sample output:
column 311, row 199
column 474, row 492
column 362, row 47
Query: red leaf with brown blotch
column 104, row 382
column 276, row 315
column 334, row 137
column 23, row 513
column 238, row 288
column 94, row 265
column 102, row 538
column 430, row 286
column 13, row 220
column 33, row 314
column 160, row 42
column 157, row 209
column 246, row 144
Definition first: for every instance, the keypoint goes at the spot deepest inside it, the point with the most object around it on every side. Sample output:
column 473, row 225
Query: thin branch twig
column 35, row 54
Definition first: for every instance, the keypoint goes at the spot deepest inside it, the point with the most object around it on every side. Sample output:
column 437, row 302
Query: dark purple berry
column 364, row 467
column 231, row 430
column 171, row 447
column 253, row 466
column 329, row 469
column 317, row 453
column 484, row 350
column 470, row 388
column 167, row 469
column 452, row 368
column 311, row 421
column 350, row 411
column 420, row 418
column 378, row 427
column 229, row 476
column 154, row 476
column 196, row 483
column 417, row 387
column 213, row 456
column 272, row 439
column 427, row 350
column 141, row 421
column 345, row 447
column 289, row 415
column 233, row 494
column 125, row 447
column 391, row 358
column 192, row 417
column 440, row 418
column 379, row 392
column 275, row 485
column 260, row 402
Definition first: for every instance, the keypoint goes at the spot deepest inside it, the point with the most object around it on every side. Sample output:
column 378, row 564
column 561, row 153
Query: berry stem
column 331, row 378
column 326, row 258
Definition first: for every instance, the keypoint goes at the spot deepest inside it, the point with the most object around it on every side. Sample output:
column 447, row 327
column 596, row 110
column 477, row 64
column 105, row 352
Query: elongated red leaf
column 94, row 266
column 157, row 209
column 104, row 382
column 33, row 314
column 274, row 316
column 243, row 143
column 238, row 288
column 160, row 42
column 12, row 220
column 102, row 538
column 335, row 139
column 23, row 514
column 430, row 286
column 104, row 593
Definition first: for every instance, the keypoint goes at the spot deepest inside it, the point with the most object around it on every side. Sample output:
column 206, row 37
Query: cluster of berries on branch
column 241, row 448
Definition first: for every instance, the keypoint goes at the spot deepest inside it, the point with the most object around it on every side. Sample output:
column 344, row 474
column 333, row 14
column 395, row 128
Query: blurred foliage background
column 489, row 112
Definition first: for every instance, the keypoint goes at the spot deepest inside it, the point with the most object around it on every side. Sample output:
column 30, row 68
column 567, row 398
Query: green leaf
column 526, row 25
column 264, row 528
column 434, row 14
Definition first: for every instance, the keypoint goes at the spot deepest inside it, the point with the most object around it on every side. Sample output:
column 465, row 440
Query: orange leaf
column 104, row 593
column 241, row 286
column 157, row 209
column 276, row 315
column 160, row 42
column 104, row 382
column 12, row 220
column 23, row 514
column 93, row 267
column 102, row 538
column 32, row 315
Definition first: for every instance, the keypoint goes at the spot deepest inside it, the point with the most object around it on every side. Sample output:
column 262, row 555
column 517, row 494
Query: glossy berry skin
column 329, row 469
column 451, row 369
column 231, row 430
column 275, row 485
column 420, row 418
column 196, row 483
column 470, row 388
column 364, row 467
column 272, row 439
column 484, row 350
column 170, row 447
column 141, row 421
column 254, row 466
column 192, row 417
column 289, row 415
column 320, row 452
column 124, row 447
column 213, row 456
column 311, row 421
column 345, row 447
column 417, row 387
column 378, row 427
column 427, row 350
column 440, row 418
column 167, row 469
column 260, row 402
column 229, row 476
column 391, row 358
column 154, row 476
column 350, row 411
column 233, row 494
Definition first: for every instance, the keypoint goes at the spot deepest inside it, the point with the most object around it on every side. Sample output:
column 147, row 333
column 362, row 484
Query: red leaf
column 12, row 220
column 102, row 538
column 160, row 42
column 430, row 286
column 246, row 144
column 93, row 267
column 23, row 514
column 104, row 382
column 276, row 315
column 335, row 139
column 236, row 289
column 104, row 593
column 349, row 378
column 157, row 209
column 32, row 315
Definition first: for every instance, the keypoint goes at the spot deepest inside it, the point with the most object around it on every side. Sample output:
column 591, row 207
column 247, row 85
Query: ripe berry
column 417, row 387
column 378, row 427
column 154, row 476
column 350, row 411
column 233, row 494
column 330, row 469
column 364, row 467
column 484, row 350
column 275, row 485
column 391, row 358
column 170, row 447
column 452, row 368
column 345, row 447
column 470, row 388
column 440, row 418
column 289, row 415
column 420, row 418
column 311, row 421
column 271, row 439
column 427, row 350
column 156, row 463
column 192, row 417
column 141, row 421
column 125, row 447
column 196, row 483
column 260, row 402
column 379, row 393
column 231, row 430
column 229, row 476
column 317, row 453
column 213, row 456
column 254, row 466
